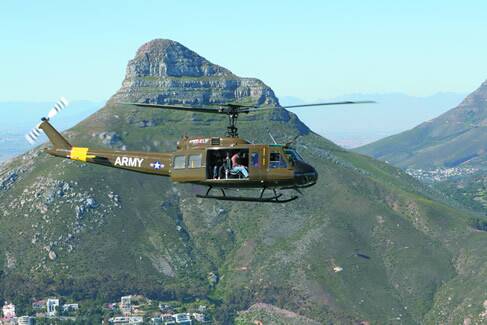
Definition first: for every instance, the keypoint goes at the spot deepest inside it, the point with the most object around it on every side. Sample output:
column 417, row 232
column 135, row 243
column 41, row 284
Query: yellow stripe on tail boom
column 79, row 153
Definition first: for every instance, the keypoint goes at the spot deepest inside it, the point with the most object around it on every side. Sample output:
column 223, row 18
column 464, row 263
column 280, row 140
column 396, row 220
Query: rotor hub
column 232, row 130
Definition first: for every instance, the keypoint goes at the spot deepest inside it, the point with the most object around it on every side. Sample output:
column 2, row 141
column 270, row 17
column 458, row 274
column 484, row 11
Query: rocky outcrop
column 262, row 313
column 166, row 72
column 166, row 58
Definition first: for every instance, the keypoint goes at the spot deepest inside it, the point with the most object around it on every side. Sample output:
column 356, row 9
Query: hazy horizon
column 347, row 126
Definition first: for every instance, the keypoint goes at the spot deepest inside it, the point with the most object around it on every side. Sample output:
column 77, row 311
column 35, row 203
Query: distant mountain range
column 367, row 244
column 455, row 138
column 353, row 126
column 349, row 127
column 449, row 151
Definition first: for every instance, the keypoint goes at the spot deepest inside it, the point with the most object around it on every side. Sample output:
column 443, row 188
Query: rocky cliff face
column 367, row 243
column 165, row 72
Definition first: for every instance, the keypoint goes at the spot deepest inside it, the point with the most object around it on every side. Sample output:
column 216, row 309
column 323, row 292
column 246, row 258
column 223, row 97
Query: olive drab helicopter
column 220, row 163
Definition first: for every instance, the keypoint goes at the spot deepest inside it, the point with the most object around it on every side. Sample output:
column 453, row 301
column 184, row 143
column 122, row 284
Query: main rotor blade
column 181, row 108
column 348, row 102
column 256, row 108
column 236, row 108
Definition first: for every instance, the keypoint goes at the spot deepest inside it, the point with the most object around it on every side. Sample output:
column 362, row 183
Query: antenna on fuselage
column 270, row 134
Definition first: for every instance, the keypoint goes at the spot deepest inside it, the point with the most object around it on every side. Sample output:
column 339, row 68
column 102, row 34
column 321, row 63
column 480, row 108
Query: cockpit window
column 276, row 160
column 293, row 154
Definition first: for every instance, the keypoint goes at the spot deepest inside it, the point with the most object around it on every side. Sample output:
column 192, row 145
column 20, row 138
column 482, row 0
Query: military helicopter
column 220, row 163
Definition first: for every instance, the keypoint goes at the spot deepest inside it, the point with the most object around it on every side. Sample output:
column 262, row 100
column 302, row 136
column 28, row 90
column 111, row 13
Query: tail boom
column 142, row 162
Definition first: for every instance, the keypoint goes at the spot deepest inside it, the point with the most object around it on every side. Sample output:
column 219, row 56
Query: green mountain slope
column 367, row 243
column 456, row 138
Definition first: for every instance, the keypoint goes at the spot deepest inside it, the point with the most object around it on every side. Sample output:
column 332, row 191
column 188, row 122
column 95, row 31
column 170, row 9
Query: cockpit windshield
column 293, row 154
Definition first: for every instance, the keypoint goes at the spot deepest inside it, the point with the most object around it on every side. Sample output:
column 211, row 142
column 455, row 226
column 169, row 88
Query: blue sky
column 307, row 49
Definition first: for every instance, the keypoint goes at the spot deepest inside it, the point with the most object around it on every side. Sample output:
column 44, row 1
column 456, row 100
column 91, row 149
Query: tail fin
column 57, row 140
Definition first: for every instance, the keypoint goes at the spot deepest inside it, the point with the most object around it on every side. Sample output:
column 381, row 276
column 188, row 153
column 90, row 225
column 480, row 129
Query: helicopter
column 219, row 162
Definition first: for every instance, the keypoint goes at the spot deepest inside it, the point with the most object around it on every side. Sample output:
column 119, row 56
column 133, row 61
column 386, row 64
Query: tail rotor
column 33, row 135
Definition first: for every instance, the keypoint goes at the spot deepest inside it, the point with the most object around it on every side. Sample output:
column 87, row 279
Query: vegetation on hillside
column 366, row 243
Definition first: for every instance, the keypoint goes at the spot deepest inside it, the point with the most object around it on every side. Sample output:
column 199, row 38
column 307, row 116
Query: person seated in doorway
column 226, row 165
column 218, row 166
column 237, row 167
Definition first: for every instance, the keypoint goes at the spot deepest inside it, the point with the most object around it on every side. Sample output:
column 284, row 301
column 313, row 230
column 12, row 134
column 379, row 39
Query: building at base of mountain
column 440, row 174
column 126, row 304
column 25, row 320
column 8, row 311
column 70, row 307
column 126, row 320
column 39, row 304
column 52, row 306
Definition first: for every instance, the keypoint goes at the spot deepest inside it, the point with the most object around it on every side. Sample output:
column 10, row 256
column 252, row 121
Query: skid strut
column 276, row 198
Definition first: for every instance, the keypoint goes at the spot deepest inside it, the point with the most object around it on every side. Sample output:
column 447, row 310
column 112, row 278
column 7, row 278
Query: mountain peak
column 166, row 72
column 164, row 57
column 158, row 43
column 477, row 99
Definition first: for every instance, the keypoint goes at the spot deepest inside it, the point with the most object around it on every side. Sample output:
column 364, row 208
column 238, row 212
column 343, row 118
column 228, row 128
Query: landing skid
column 276, row 198
column 297, row 186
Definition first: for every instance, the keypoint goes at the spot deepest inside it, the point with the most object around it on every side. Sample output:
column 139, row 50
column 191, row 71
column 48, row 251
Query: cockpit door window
column 277, row 160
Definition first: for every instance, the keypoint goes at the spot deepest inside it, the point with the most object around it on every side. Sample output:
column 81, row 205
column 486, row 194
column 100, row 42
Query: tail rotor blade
column 33, row 135
column 30, row 139
column 60, row 105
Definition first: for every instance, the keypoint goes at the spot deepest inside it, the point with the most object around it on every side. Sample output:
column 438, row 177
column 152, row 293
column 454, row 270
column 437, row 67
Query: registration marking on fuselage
column 129, row 162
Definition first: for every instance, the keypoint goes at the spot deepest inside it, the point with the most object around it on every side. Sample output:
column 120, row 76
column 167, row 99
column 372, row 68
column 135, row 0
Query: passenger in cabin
column 227, row 164
column 218, row 167
column 236, row 166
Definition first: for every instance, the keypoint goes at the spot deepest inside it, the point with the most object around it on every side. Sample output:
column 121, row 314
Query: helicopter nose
column 304, row 174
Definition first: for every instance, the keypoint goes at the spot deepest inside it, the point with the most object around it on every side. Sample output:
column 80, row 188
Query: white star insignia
column 157, row 165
